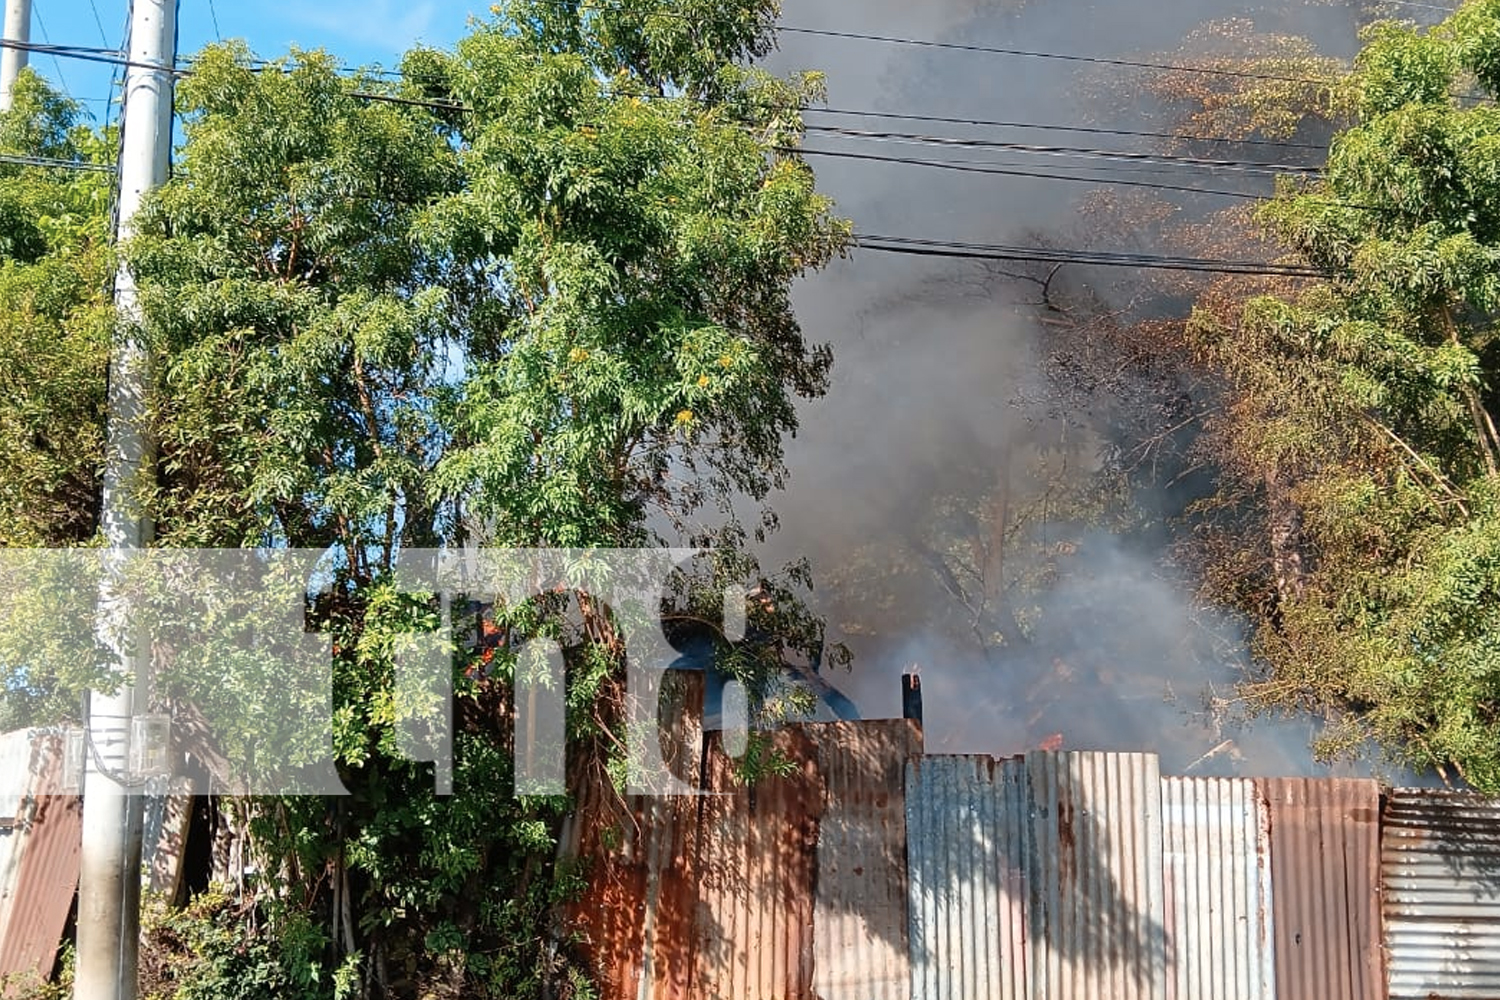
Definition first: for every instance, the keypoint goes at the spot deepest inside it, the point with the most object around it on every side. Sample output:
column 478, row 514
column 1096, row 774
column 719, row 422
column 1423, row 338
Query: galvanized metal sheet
column 968, row 830
column 15, row 783
column 1217, row 882
column 860, row 907
column 15, row 774
column 164, row 837
column 1096, row 907
column 1440, row 867
column 1325, row 871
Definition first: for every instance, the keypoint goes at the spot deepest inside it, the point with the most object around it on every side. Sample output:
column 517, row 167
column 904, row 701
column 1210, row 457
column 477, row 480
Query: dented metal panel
column 875, row 873
column 1217, row 881
column 1096, row 908
column 860, row 909
column 1325, row 872
column 968, row 828
column 1440, row 865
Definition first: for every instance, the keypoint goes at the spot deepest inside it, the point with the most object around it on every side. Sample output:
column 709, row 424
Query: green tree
column 55, row 319
column 535, row 293
column 1368, row 399
column 56, row 272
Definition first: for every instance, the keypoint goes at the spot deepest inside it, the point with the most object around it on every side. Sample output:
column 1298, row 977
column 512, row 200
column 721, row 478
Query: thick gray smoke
column 937, row 425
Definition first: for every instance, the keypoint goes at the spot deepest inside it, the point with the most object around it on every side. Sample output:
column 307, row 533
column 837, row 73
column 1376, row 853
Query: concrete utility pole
column 109, row 885
column 12, row 61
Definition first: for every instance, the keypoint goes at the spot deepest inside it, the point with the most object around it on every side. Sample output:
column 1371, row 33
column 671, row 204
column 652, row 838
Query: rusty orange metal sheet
column 635, row 918
column 702, row 897
column 636, row 856
column 45, row 868
column 1325, row 878
column 756, row 868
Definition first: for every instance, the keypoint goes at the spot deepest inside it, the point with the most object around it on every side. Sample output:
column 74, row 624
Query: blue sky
column 357, row 31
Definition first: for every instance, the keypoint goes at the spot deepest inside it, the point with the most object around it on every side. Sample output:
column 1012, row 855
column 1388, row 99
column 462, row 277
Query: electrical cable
column 1416, row 4
column 52, row 161
column 1037, row 54
column 576, row 5
column 980, row 167
column 99, row 23
column 992, row 251
column 62, row 81
column 120, row 778
column 84, row 53
column 116, row 79
column 1040, row 127
column 115, row 57
column 102, row 55
column 963, row 143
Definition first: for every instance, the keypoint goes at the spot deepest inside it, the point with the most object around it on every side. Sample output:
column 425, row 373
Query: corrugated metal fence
column 1440, row 862
column 1054, row 876
column 38, row 858
column 794, row 889
column 1325, row 873
column 872, row 872
column 1217, row 883
column 968, row 835
column 1094, row 872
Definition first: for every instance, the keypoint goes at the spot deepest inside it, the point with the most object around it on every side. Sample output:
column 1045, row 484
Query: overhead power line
column 950, row 142
column 42, row 26
column 576, row 5
column 115, row 57
column 980, row 167
column 50, row 161
column 111, row 57
column 1418, row 6
column 1042, row 127
column 1036, row 54
column 118, row 58
column 99, row 22
column 914, row 246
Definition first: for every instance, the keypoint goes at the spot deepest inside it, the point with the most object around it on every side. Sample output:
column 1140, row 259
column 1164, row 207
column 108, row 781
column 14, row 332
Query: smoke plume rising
column 943, row 490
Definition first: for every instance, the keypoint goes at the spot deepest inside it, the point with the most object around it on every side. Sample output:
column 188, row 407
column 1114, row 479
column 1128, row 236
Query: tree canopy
column 54, row 319
column 1359, row 414
column 534, row 291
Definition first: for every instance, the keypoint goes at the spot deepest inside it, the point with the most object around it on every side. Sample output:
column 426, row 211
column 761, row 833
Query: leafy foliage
column 55, row 321
column 536, row 293
column 1239, row 81
column 555, row 315
column 1361, row 408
